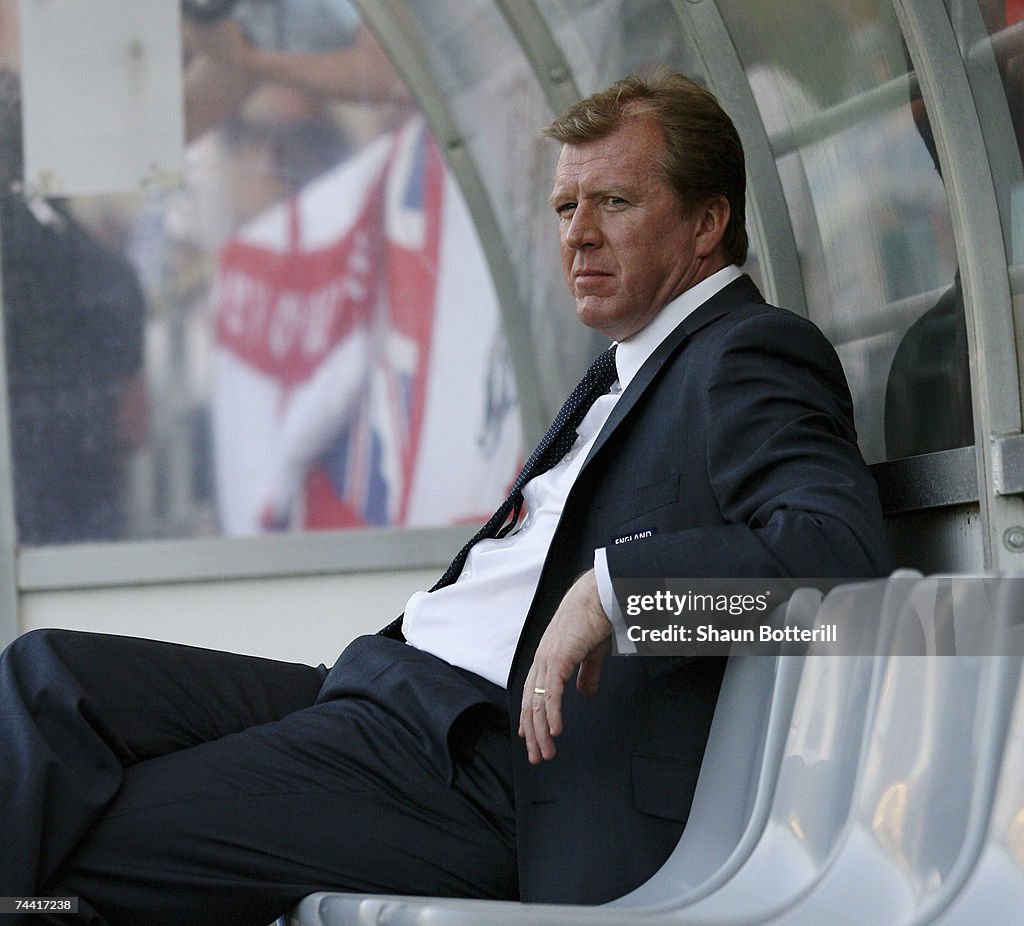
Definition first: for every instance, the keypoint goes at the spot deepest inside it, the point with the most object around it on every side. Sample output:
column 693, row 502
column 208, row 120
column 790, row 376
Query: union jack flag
column 357, row 311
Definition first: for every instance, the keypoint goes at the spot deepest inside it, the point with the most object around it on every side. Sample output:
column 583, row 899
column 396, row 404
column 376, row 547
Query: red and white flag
column 361, row 374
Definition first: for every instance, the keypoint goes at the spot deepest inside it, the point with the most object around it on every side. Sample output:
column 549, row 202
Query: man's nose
column 584, row 228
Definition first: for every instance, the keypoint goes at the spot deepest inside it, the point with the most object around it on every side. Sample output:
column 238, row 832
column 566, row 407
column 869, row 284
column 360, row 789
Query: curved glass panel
column 604, row 40
column 302, row 335
column 837, row 95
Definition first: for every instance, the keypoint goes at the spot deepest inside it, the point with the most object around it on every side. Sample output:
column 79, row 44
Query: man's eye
column 565, row 209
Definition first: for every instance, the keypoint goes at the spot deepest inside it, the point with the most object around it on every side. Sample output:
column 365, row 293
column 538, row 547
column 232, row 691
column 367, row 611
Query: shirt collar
column 632, row 353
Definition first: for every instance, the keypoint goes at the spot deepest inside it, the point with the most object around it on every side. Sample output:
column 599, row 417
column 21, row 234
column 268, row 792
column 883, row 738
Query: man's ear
column 713, row 219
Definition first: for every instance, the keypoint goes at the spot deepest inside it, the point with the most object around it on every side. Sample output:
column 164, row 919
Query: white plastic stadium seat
column 924, row 786
column 992, row 891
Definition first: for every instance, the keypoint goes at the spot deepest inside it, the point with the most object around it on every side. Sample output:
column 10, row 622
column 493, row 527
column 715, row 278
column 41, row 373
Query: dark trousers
column 168, row 784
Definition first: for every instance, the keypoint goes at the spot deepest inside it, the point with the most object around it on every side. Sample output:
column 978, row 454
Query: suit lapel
column 741, row 291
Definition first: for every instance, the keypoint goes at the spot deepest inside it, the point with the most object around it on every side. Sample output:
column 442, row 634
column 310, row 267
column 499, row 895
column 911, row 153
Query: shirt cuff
column 623, row 645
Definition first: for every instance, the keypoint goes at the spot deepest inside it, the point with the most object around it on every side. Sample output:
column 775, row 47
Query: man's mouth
column 589, row 275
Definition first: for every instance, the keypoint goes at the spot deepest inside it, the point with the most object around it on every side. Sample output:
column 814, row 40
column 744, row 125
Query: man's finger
column 542, row 736
column 553, row 709
column 527, row 726
column 547, row 714
column 541, row 706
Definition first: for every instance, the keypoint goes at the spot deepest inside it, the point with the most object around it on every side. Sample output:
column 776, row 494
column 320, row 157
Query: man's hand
column 579, row 635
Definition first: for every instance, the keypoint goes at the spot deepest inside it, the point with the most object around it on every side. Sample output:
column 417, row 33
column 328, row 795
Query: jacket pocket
column 638, row 502
column 664, row 787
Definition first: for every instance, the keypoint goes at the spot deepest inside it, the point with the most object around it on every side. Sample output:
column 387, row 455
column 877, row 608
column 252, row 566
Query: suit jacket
column 735, row 446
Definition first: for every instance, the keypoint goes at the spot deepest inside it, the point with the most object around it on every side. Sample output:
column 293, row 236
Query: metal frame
column 1008, row 465
column 995, row 378
column 993, row 112
column 113, row 565
column 927, row 481
column 549, row 66
column 8, row 529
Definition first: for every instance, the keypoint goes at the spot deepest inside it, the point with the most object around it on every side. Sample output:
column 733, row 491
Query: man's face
column 628, row 246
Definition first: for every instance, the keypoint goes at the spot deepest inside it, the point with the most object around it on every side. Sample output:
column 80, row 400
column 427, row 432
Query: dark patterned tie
column 554, row 445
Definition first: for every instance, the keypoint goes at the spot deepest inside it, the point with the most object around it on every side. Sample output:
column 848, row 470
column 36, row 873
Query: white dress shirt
column 476, row 622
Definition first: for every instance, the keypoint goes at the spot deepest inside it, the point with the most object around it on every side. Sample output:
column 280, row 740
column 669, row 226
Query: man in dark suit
column 166, row 785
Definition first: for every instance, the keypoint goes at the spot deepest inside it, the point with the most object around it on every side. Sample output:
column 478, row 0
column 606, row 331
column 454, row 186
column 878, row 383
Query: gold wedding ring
column 539, row 691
